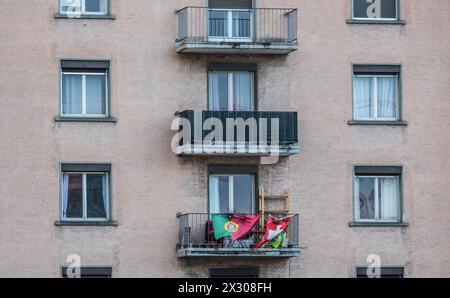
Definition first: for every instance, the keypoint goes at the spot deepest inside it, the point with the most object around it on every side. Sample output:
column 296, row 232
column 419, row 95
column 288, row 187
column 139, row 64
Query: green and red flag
column 235, row 227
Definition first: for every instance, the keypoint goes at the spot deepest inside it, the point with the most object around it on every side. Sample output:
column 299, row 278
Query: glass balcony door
column 230, row 25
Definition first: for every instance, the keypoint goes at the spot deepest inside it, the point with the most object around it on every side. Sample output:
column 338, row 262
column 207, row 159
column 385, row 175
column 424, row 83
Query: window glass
column 218, row 91
column 242, row 96
column 241, row 24
column 378, row 198
column 243, row 194
column 70, row 6
column 73, row 192
column 362, row 97
column 85, row 196
column 367, row 198
column 83, row 94
column 95, row 94
column 375, row 9
column 218, row 23
column 72, row 94
column 96, row 195
column 388, row 190
column 375, row 97
column 386, row 96
column 231, row 190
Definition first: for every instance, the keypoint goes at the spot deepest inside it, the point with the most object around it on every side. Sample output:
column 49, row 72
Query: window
column 85, row 192
column 84, row 89
column 231, row 190
column 385, row 272
column 231, row 88
column 230, row 19
column 375, row 9
column 377, row 194
column 376, row 93
column 90, row 272
column 84, row 7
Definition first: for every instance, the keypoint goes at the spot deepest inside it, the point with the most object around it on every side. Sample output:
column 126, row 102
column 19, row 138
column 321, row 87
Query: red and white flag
column 274, row 227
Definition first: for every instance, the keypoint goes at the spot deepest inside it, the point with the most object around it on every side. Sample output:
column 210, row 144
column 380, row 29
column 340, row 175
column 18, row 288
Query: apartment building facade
column 349, row 102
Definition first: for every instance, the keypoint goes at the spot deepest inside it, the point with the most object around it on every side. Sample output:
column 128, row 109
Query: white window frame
column 84, row 192
column 229, row 23
column 374, row 97
column 231, row 189
column 378, row 216
column 231, row 99
column 83, row 9
column 83, row 95
column 397, row 13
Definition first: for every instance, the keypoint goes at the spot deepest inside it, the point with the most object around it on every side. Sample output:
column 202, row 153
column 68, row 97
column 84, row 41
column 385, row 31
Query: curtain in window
column 366, row 198
column 214, row 204
column 95, row 95
column 218, row 91
column 389, row 198
column 387, row 103
column 241, row 24
column 71, row 94
column 243, row 194
column 65, row 194
column 243, row 91
column 70, row 6
column 218, row 23
column 362, row 97
column 96, row 207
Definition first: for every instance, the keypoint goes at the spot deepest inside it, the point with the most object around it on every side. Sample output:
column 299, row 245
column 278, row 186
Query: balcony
column 196, row 239
column 236, row 133
column 228, row 31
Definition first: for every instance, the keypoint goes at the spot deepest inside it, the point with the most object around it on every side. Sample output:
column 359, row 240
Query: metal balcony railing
column 196, row 238
column 247, row 130
column 273, row 29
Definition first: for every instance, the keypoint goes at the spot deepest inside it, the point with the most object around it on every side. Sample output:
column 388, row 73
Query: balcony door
column 232, row 193
column 230, row 20
column 231, row 91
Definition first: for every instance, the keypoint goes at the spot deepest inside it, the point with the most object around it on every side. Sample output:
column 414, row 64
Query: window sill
column 377, row 22
column 378, row 224
column 94, row 17
column 393, row 123
column 85, row 119
column 61, row 223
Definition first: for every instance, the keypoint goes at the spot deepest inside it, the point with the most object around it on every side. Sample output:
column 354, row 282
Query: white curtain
column 389, row 198
column 387, row 104
column 105, row 193
column 71, row 94
column 65, row 194
column 103, row 6
column 95, row 95
column 214, row 202
column 218, row 91
column 241, row 23
column 70, row 6
column 243, row 91
column 362, row 97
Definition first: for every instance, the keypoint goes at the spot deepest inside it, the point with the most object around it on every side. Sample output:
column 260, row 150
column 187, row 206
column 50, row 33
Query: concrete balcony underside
column 238, row 252
column 221, row 150
column 235, row 48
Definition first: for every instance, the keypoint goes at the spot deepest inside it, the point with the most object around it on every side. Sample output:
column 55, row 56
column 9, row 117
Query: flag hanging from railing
column 235, row 227
column 274, row 227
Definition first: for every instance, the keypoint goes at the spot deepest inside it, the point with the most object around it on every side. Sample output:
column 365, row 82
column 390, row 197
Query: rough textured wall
column 150, row 184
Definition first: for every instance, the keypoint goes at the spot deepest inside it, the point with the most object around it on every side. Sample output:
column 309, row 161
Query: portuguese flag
column 235, row 227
